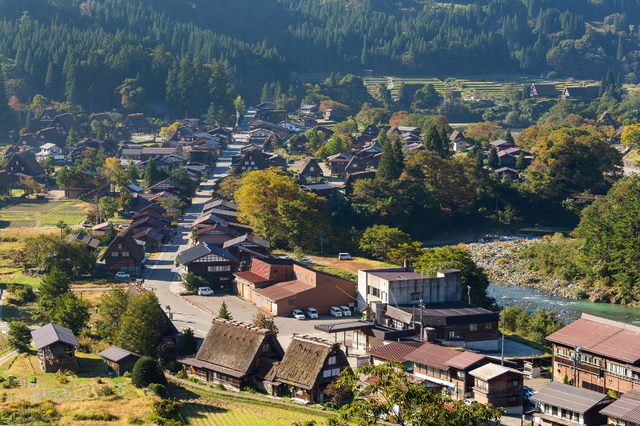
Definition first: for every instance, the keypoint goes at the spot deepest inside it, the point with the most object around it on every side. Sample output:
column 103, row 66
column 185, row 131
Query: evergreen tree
column 142, row 324
column 476, row 153
column 131, row 174
column 151, row 173
column 398, row 156
column 72, row 137
column 212, row 115
column 6, row 116
column 521, row 163
column 433, row 141
column 19, row 336
column 493, row 161
column 508, row 137
column 387, row 168
column 223, row 313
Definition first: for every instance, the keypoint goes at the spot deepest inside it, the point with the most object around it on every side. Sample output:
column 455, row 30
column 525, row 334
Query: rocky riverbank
column 504, row 266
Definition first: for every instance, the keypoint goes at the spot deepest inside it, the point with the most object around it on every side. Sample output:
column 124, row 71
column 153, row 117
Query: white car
column 306, row 260
column 346, row 312
column 470, row 401
column 312, row 313
column 335, row 311
column 344, row 256
column 205, row 291
column 122, row 276
column 298, row 314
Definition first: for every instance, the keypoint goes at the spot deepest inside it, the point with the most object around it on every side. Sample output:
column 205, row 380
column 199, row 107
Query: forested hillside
column 83, row 51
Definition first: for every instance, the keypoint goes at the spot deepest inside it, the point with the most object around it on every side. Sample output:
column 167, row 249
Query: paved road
column 161, row 272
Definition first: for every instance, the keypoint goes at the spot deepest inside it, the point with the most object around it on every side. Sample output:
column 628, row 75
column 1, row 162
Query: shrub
column 182, row 375
column 159, row 390
column 127, row 374
column 105, row 391
column 147, row 371
column 63, row 380
column 220, row 386
column 10, row 383
column 104, row 416
column 134, row 420
column 166, row 408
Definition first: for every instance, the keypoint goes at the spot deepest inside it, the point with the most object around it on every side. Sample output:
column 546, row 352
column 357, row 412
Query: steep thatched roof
column 234, row 346
column 304, row 360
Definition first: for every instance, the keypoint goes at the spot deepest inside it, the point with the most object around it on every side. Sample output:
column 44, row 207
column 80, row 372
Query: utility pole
column 321, row 232
column 504, row 316
column 576, row 361
column 469, row 293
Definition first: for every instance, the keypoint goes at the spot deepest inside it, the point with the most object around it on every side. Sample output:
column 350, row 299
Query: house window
column 415, row 296
column 114, row 254
column 119, row 246
column 513, row 383
column 311, row 169
column 253, row 163
column 292, row 302
column 482, row 384
column 125, row 254
column 266, row 348
column 560, row 351
column 326, row 373
column 373, row 291
column 335, row 372
column 246, row 163
column 312, row 280
column 514, row 399
column 488, row 326
column 332, row 360
column 219, row 268
column 473, row 327
column 243, row 168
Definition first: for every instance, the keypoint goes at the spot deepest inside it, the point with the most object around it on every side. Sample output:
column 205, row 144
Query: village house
column 235, row 355
column 246, row 247
column 501, row 144
column 560, row 404
column 152, row 239
column 352, row 178
column 539, row 90
column 45, row 118
column 121, row 134
column 608, row 354
column 137, row 123
column 203, row 258
column 216, row 234
column 580, row 92
column 499, row 386
column 355, row 165
column 507, row 172
column 278, row 161
column 63, row 124
column 168, row 185
column 259, row 136
column 101, row 118
column 51, row 150
column 118, row 361
column 309, row 365
column 371, row 132
column 308, row 109
column 625, row 411
column 56, row 347
column 24, row 164
column 337, row 163
column 393, row 351
column 607, row 119
column 292, row 126
column 50, row 135
column 299, row 143
column 27, row 142
column 253, row 159
column 90, row 243
column 457, row 141
column 124, row 254
column 144, row 222
column 281, row 285
column 324, row 190
column 309, row 169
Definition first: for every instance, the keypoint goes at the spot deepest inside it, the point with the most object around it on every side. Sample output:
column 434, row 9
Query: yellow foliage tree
column 631, row 136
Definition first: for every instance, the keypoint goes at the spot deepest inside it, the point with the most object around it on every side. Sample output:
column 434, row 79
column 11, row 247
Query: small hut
column 56, row 348
column 118, row 360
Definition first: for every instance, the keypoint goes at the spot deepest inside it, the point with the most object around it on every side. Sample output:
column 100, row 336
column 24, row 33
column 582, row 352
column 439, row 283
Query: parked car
column 335, row 311
column 290, row 161
column 344, row 256
column 298, row 314
column 205, row 291
column 122, row 276
column 346, row 312
column 306, row 260
column 470, row 401
column 312, row 313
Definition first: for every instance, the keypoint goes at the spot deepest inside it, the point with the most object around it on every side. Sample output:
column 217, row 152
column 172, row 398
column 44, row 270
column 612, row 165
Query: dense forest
column 88, row 51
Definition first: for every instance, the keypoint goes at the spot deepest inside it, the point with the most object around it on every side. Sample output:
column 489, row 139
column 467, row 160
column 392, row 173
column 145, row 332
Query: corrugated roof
column 115, row 354
column 283, row 290
column 601, row 336
column 568, row 397
column 396, row 351
column 491, row 371
column 434, row 355
column 52, row 333
column 398, row 276
column 464, row 360
column 251, row 277
column 247, row 237
column 202, row 249
column 626, row 408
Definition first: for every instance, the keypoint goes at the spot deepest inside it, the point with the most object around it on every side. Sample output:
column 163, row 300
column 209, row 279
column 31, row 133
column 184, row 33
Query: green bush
column 127, row 374
column 182, row 375
column 134, row 420
column 159, row 390
column 104, row 416
column 105, row 391
column 147, row 371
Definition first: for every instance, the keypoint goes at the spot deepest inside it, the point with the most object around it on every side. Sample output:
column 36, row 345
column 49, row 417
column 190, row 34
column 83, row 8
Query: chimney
column 407, row 266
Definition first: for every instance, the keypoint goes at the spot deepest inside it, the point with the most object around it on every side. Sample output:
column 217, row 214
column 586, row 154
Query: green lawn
column 34, row 213
column 235, row 413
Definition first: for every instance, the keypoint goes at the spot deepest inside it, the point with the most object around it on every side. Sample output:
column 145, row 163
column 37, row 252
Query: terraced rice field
column 42, row 213
column 241, row 414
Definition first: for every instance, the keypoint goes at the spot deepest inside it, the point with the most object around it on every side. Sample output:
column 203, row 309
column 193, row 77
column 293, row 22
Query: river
column 568, row 309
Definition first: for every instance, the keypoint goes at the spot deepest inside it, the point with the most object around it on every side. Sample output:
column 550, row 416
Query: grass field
column 42, row 213
column 218, row 412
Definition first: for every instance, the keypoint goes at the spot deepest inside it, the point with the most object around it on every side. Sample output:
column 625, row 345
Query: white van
column 344, row 256
column 335, row 311
column 205, row 291
column 346, row 312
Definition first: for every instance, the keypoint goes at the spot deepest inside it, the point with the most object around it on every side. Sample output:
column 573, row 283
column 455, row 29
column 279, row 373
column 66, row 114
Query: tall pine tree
column 387, row 168
column 398, row 156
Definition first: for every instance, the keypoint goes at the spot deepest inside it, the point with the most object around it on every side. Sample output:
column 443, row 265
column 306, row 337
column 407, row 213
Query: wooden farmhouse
column 208, row 258
column 308, row 366
column 46, row 117
column 27, row 142
column 500, row 386
column 338, row 163
column 543, row 90
column 63, row 124
column 137, row 123
column 235, row 355
column 246, row 247
column 216, row 234
column 168, row 185
column 253, row 159
column 124, row 254
column 24, row 164
column 308, row 169
column 118, row 361
column 566, row 405
column 56, row 348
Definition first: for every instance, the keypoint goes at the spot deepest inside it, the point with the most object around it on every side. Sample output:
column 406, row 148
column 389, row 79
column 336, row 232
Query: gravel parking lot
column 244, row 311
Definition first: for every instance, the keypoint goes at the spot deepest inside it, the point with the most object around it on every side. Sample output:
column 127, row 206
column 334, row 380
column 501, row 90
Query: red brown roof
column 601, row 336
column 434, row 355
column 464, row 360
column 396, row 351
column 251, row 277
column 283, row 290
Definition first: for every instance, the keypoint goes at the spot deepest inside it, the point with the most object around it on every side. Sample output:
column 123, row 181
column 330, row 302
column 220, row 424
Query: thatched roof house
column 309, row 365
column 232, row 354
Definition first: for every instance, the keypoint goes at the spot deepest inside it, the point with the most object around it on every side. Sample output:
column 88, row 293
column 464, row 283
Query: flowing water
column 568, row 309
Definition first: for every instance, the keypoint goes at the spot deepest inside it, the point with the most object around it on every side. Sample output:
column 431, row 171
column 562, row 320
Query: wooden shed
column 56, row 348
column 118, row 360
